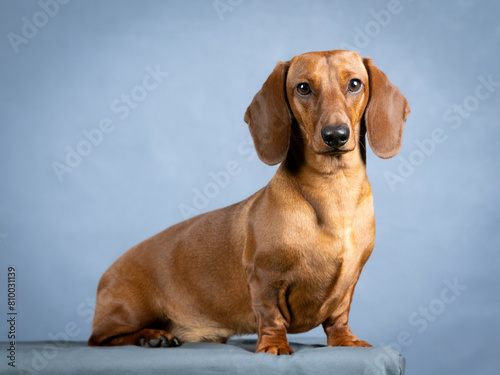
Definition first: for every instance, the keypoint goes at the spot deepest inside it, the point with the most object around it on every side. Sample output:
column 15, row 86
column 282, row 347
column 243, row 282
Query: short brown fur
column 286, row 259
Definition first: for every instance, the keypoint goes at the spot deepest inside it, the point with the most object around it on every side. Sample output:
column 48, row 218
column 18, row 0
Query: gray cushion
column 236, row 357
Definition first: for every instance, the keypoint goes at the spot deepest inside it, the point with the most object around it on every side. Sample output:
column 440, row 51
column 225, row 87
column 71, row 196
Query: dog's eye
column 354, row 85
column 303, row 88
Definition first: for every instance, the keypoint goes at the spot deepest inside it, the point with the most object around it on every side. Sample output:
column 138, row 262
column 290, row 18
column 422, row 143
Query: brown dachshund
column 286, row 259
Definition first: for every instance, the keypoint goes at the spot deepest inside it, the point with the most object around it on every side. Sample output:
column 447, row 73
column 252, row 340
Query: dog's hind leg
column 147, row 337
column 125, row 316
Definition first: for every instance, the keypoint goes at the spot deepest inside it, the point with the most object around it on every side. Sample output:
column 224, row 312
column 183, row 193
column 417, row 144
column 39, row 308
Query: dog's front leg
column 336, row 327
column 271, row 313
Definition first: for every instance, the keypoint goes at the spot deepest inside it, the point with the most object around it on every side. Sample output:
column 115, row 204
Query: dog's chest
column 328, row 264
column 331, row 257
column 320, row 244
column 320, row 283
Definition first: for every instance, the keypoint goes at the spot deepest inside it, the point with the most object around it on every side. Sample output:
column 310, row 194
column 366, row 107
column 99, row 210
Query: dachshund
column 288, row 258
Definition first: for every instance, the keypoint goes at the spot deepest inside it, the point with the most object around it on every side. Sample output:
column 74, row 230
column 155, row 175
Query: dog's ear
column 269, row 117
column 385, row 114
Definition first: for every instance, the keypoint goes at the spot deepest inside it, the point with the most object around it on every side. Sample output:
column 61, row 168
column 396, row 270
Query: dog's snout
column 335, row 136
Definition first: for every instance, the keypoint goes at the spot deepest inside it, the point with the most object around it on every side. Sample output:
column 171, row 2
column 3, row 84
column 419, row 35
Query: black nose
column 335, row 136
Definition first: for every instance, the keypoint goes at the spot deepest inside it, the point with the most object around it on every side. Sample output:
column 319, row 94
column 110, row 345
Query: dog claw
column 157, row 339
column 154, row 343
column 164, row 342
column 276, row 350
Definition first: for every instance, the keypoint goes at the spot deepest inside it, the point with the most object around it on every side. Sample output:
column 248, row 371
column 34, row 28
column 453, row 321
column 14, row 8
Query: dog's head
column 333, row 96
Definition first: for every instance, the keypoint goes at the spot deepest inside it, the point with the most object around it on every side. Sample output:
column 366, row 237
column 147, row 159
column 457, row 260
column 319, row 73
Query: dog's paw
column 155, row 338
column 348, row 341
column 275, row 349
column 359, row 343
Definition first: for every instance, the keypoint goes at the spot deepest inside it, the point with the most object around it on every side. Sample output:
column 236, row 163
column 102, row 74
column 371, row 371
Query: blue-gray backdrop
column 117, row 117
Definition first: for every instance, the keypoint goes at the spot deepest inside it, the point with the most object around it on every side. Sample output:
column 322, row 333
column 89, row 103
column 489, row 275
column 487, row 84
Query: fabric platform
column 236, row 357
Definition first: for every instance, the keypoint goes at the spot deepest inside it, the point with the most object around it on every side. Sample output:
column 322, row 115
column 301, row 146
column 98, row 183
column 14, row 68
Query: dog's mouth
column 333, row 152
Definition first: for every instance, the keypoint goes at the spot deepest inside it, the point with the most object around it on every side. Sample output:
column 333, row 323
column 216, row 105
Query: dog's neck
column 333, row 185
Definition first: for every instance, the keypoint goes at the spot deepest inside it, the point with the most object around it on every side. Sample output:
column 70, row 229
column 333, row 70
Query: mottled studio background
column 169, row 82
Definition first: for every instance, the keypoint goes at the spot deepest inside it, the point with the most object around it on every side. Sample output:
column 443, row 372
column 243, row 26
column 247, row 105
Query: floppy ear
column 385, row 113
column 269, row 117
